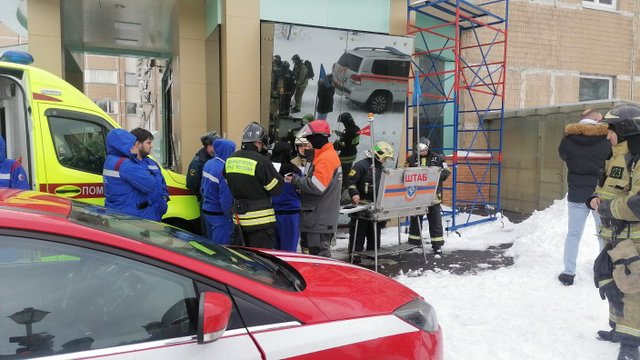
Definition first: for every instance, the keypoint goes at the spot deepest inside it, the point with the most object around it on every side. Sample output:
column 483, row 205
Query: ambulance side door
column 74, row 153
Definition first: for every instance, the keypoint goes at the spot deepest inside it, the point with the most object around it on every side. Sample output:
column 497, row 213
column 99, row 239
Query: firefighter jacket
column 12, row 174
column 300, row 74
column 361, row 179
column 320, row 190
column 160, row 194
column 619, row 191
column 128, row 185
column 432, row 159
column 253, row 181
column 347, row 142
column 584, row 149
column 194, row 173
column 216, row 196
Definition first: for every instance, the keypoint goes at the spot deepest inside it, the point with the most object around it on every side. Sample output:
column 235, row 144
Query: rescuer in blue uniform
column 128, row 185
column 12, row 174
column 217, row 200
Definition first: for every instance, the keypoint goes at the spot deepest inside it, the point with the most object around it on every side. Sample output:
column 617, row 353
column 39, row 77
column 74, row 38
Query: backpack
column 310, row 74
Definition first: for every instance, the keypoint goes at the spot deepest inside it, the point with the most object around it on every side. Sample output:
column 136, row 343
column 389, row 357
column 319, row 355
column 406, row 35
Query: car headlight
column 420, row 314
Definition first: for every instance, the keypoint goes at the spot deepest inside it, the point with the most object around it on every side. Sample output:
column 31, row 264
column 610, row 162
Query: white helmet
column 424, row 144
column 301, row 141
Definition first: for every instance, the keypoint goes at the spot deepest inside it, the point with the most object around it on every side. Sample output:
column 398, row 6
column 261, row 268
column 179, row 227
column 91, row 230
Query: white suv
column 373, row 76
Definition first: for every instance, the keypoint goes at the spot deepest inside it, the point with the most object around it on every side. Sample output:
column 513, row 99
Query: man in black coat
column 584, row 148
column 326, row 90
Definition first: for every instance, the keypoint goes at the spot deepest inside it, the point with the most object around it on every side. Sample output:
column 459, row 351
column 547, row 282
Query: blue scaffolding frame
column 473, row 39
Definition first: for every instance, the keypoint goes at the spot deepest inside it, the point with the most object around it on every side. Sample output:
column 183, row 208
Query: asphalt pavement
column 412, row 261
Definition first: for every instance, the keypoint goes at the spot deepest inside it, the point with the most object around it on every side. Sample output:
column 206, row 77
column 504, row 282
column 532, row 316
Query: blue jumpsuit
column 12, row 174
column 217, row 201
column 128, row 185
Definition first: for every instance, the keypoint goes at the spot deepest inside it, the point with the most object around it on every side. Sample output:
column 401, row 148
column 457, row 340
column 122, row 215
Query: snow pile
column 521, row 311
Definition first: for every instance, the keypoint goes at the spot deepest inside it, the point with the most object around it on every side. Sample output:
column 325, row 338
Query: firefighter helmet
column 623, row 120
column 382, row 150
column 301, row 141
column 255, row 132
column 320, row 127
column 424, row 144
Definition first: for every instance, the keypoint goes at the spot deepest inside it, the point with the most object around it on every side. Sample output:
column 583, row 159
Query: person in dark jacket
column 194, row 172
column 286, row 88
column 425, row 157
column 253, row 181
column 361, row 188
column 584, row 148
column 287, row 203
column 128, row 185
column 320, row 188
column 160, row 195
column 217, row 200
column 326, row 90
column 12, row 174
column 206, row 153
column 347, row 142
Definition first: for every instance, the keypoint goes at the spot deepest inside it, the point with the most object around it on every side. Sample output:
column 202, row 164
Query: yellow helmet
column 382, row 151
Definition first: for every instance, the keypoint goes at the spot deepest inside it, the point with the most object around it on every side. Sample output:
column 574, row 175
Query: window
column 600, row 4
column 130, row 79
column 132, row 108
column 65, row 299
column 390, row 68
column 101, row 76
column 110, row 107
column 595, row 88
column 78, row 144
column 351, row 61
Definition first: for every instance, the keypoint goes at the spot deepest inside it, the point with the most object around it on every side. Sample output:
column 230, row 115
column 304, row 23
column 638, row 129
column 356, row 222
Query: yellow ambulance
column 59, row 134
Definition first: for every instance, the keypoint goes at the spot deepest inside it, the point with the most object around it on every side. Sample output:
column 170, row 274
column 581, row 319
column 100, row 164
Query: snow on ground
column 521, row 311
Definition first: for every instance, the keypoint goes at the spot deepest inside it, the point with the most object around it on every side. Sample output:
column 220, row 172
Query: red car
column 80, row 281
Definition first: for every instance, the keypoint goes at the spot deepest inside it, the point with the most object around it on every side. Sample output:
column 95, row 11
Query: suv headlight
column 420, row 314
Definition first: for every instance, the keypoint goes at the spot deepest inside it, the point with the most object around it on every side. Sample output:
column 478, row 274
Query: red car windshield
column 246, row 262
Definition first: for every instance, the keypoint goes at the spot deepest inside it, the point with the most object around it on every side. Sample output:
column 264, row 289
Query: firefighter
column 253, row 181
column 302, row 144
column 347, row 142
column 361, row 188
column 425, row 157
column 320, row 189
column 616, row 199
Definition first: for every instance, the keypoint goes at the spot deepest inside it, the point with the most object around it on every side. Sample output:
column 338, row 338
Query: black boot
column 566, row 279
column 628, row 352
column 605, row 335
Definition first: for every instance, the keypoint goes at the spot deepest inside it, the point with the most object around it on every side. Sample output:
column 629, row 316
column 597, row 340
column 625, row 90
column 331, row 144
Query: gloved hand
column 614, row 295
column 309, row 154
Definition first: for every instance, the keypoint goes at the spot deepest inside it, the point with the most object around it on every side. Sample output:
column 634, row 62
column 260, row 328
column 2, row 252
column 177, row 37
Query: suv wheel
column 379, row 102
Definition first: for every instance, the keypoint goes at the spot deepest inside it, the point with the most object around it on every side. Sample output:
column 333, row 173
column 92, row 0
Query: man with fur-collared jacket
column 584, row 148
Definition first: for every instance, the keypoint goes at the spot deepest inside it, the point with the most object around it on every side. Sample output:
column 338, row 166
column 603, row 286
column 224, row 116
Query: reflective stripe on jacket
column 321, row 188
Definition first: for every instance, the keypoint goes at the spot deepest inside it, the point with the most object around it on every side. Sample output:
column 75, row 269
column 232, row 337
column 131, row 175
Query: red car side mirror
column 213, row 316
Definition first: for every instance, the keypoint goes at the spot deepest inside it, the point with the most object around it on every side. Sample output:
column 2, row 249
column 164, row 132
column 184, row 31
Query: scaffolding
column 458, row 72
